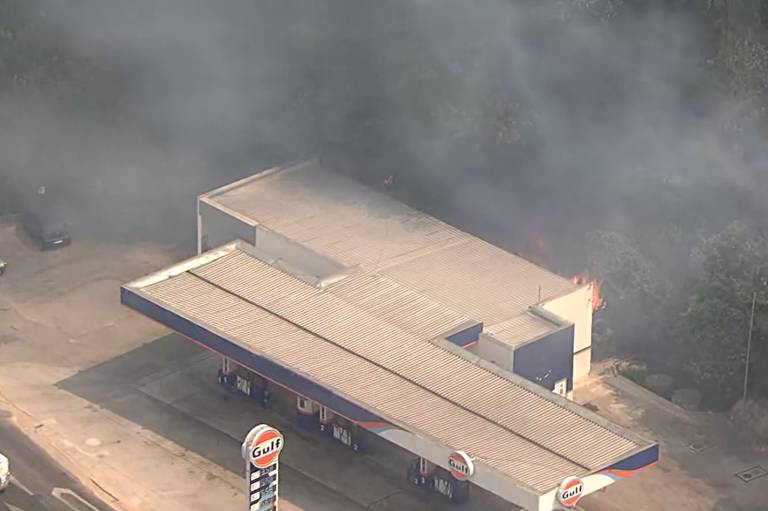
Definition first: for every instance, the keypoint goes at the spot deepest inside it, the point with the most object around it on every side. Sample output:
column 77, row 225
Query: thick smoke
column 507, row 118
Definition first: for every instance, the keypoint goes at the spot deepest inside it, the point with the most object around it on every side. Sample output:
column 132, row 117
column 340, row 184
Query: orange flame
column 597, row 299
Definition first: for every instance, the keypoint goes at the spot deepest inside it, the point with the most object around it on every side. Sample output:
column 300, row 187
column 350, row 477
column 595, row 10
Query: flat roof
column 521, row 328
column 361, row 228
column 349, row 343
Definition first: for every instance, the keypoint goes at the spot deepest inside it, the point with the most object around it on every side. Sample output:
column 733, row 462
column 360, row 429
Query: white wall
column 582, row 363
column 576, row 307
column 216, row 228
column 295, row 255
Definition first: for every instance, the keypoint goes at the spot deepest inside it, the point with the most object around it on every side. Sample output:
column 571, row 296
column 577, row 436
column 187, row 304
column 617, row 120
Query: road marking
column 11, row 507
column 21, row 485
column 59, row 493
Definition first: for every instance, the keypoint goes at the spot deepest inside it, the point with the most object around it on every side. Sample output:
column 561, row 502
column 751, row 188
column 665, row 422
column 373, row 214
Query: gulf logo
column 570, row 491
column 461, row 465
column 265, row 447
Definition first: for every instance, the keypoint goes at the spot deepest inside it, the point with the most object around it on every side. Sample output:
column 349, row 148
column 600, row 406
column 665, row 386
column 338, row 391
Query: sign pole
column 749, row 346
column 261, row 452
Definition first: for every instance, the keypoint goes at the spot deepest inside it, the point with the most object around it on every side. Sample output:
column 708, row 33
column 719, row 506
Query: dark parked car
column 45, row 229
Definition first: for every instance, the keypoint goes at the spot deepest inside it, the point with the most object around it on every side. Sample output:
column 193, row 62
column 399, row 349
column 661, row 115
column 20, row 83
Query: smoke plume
column 506, row 118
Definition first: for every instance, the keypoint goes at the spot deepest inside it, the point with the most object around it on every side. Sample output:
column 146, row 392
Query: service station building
column 382, row 322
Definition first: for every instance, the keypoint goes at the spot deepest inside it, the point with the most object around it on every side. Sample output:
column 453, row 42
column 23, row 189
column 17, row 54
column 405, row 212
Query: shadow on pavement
column 125, row 384
column 114, row 386
column 728, row 504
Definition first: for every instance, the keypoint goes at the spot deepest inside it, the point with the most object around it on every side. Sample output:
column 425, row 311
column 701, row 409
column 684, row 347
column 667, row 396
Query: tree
column 733, row 266
column 633, row 290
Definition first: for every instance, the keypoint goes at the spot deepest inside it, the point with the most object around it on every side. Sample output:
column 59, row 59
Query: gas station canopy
column 381, row 355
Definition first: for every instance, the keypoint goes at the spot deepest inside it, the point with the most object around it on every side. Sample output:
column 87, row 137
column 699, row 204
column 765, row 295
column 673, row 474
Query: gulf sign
column 261, row 453
column 265, row 447
column 570, row 491
column 461, row 465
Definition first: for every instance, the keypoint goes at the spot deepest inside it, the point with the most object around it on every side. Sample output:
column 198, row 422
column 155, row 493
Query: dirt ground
column 701, row 453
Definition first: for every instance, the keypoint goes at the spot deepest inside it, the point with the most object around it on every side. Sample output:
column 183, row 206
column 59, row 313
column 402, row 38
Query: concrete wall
column 219, row 226
column 294, row 255
column 494, row 351
column 576, row 307
column 582, row 363
column 216, row 227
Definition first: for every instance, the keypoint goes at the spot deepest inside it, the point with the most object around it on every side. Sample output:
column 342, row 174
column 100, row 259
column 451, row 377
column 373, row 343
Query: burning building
column 319, row 222
column 383, row 322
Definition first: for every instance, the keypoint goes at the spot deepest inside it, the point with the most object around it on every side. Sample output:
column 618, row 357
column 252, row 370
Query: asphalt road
column 38, row 483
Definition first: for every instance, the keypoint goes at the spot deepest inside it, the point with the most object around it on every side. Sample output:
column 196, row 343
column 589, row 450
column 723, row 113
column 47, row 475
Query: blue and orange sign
column 570, row 491
column 461, row 465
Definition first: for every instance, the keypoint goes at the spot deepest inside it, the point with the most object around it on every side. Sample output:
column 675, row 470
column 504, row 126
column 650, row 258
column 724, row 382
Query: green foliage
column 33, row 63
column 621, row 267
column 635, row 371
column 633, row 289
column 740, row 30
column 732, row 267
column 446, row 95
column 745, row 59
column 711, row 5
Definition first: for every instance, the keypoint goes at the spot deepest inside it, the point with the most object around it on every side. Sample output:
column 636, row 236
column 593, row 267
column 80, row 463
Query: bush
column 633, row 370
column 753, row 416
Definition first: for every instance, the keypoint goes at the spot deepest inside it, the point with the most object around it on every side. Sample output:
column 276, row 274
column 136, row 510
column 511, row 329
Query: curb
column 622, row 383
column 46, row 442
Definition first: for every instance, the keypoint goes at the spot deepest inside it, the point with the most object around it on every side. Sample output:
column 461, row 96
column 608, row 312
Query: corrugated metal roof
column 359, row 227
column 479, row 279
column 398, row 305
column 337, row 217
column 329, row 336
column 520, row 328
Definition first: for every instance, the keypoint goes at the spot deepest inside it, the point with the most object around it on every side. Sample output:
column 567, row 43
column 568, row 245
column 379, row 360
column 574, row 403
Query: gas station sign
column 570, row 491
column 461, row 465
column 261, row 452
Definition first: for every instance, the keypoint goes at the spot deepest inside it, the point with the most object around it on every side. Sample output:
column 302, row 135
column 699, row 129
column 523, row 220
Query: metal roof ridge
column 191, row 264
column 389, row 370
column 450, row 349
column 183, row 266
column 527, row 261
column 420, row 252
column 286, row 167
column 352, row 273
column 531, row 486
column 541, row 313
column 563, row 402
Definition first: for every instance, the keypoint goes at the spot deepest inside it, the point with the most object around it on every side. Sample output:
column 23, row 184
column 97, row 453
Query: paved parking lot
column 112, row 397
column 37, row 482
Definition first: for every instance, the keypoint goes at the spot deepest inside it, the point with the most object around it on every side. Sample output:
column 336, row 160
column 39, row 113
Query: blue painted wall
column 547, row 360
column 638, row 461
column 466, row 336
